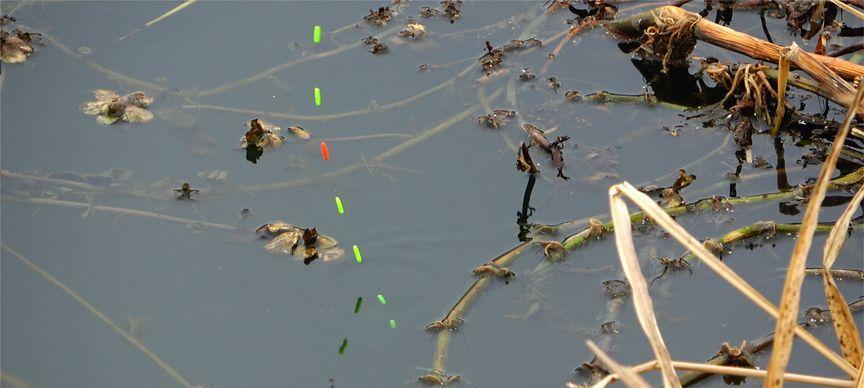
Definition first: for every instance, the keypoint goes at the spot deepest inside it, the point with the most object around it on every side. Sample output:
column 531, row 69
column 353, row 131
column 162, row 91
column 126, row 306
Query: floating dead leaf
column 299, row 132
column 572, row 96
column 553, row 84
column 429, row 12
column 379, row 17
column 17, row 46
column 413, row 29
column 452, row 9
column 527, row 75
column 262, row 135
column 109, row 107
column 497, row 118
column 377, row 47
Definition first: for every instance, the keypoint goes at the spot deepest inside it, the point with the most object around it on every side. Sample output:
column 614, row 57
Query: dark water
column 227, row 314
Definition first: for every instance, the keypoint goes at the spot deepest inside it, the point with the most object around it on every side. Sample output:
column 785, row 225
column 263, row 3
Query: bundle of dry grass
column 786, row 326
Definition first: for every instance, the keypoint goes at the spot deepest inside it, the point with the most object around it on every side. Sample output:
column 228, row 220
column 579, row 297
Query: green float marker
column 343, row 346
column 340, row 209
column 381, row 299
column 316, row 35
column 392, row 323
column 358, row 304
column 317, row 97
column 358, row 256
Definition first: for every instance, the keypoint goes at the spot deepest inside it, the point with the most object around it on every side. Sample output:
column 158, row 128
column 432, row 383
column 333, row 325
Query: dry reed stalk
column 729, row 370
column 663, row 220
column 641, row 298
column 859, row 380
column 782, row 77
column 844, row 324
column 724, row 37
column 632, row 379
column 849, row 8
column 836, row 87
column 791, row 296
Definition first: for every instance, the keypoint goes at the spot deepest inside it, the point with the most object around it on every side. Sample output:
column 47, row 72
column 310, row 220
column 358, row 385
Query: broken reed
column 662, row 18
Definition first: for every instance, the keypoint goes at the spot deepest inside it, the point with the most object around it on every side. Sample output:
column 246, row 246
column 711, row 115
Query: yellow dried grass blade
column 844, row 324
column 782, row 77
column 641, row 298
column 859, row 380
column 849, row 9
column 628, row 376
column 729, row 370
column 662, row 219
column 791, row 299
column 171, row 12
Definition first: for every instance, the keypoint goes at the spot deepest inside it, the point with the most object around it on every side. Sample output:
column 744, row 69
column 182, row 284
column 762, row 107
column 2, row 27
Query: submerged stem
column 101, row 316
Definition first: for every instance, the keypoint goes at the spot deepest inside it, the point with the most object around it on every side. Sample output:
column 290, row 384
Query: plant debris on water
column 110, row 107
column 286, row 240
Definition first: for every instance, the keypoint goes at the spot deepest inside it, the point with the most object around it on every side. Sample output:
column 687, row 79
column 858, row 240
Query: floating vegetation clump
column 375, row 46
column 16, row 45
column 301, row 243
column 379, row 17
column 110, row 107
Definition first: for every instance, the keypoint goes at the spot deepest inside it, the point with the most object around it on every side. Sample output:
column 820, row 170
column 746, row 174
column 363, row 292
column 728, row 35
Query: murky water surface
column 224, row 313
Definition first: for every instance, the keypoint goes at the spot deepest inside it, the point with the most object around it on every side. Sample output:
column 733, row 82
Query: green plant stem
column 578, row 239
column 464, row 303
column 603, row 97
column 765, row 228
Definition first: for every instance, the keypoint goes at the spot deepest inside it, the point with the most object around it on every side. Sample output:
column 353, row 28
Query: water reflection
column 526, row 212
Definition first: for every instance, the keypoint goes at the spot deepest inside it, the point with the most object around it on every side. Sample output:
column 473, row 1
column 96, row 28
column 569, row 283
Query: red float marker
column 324, row 152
